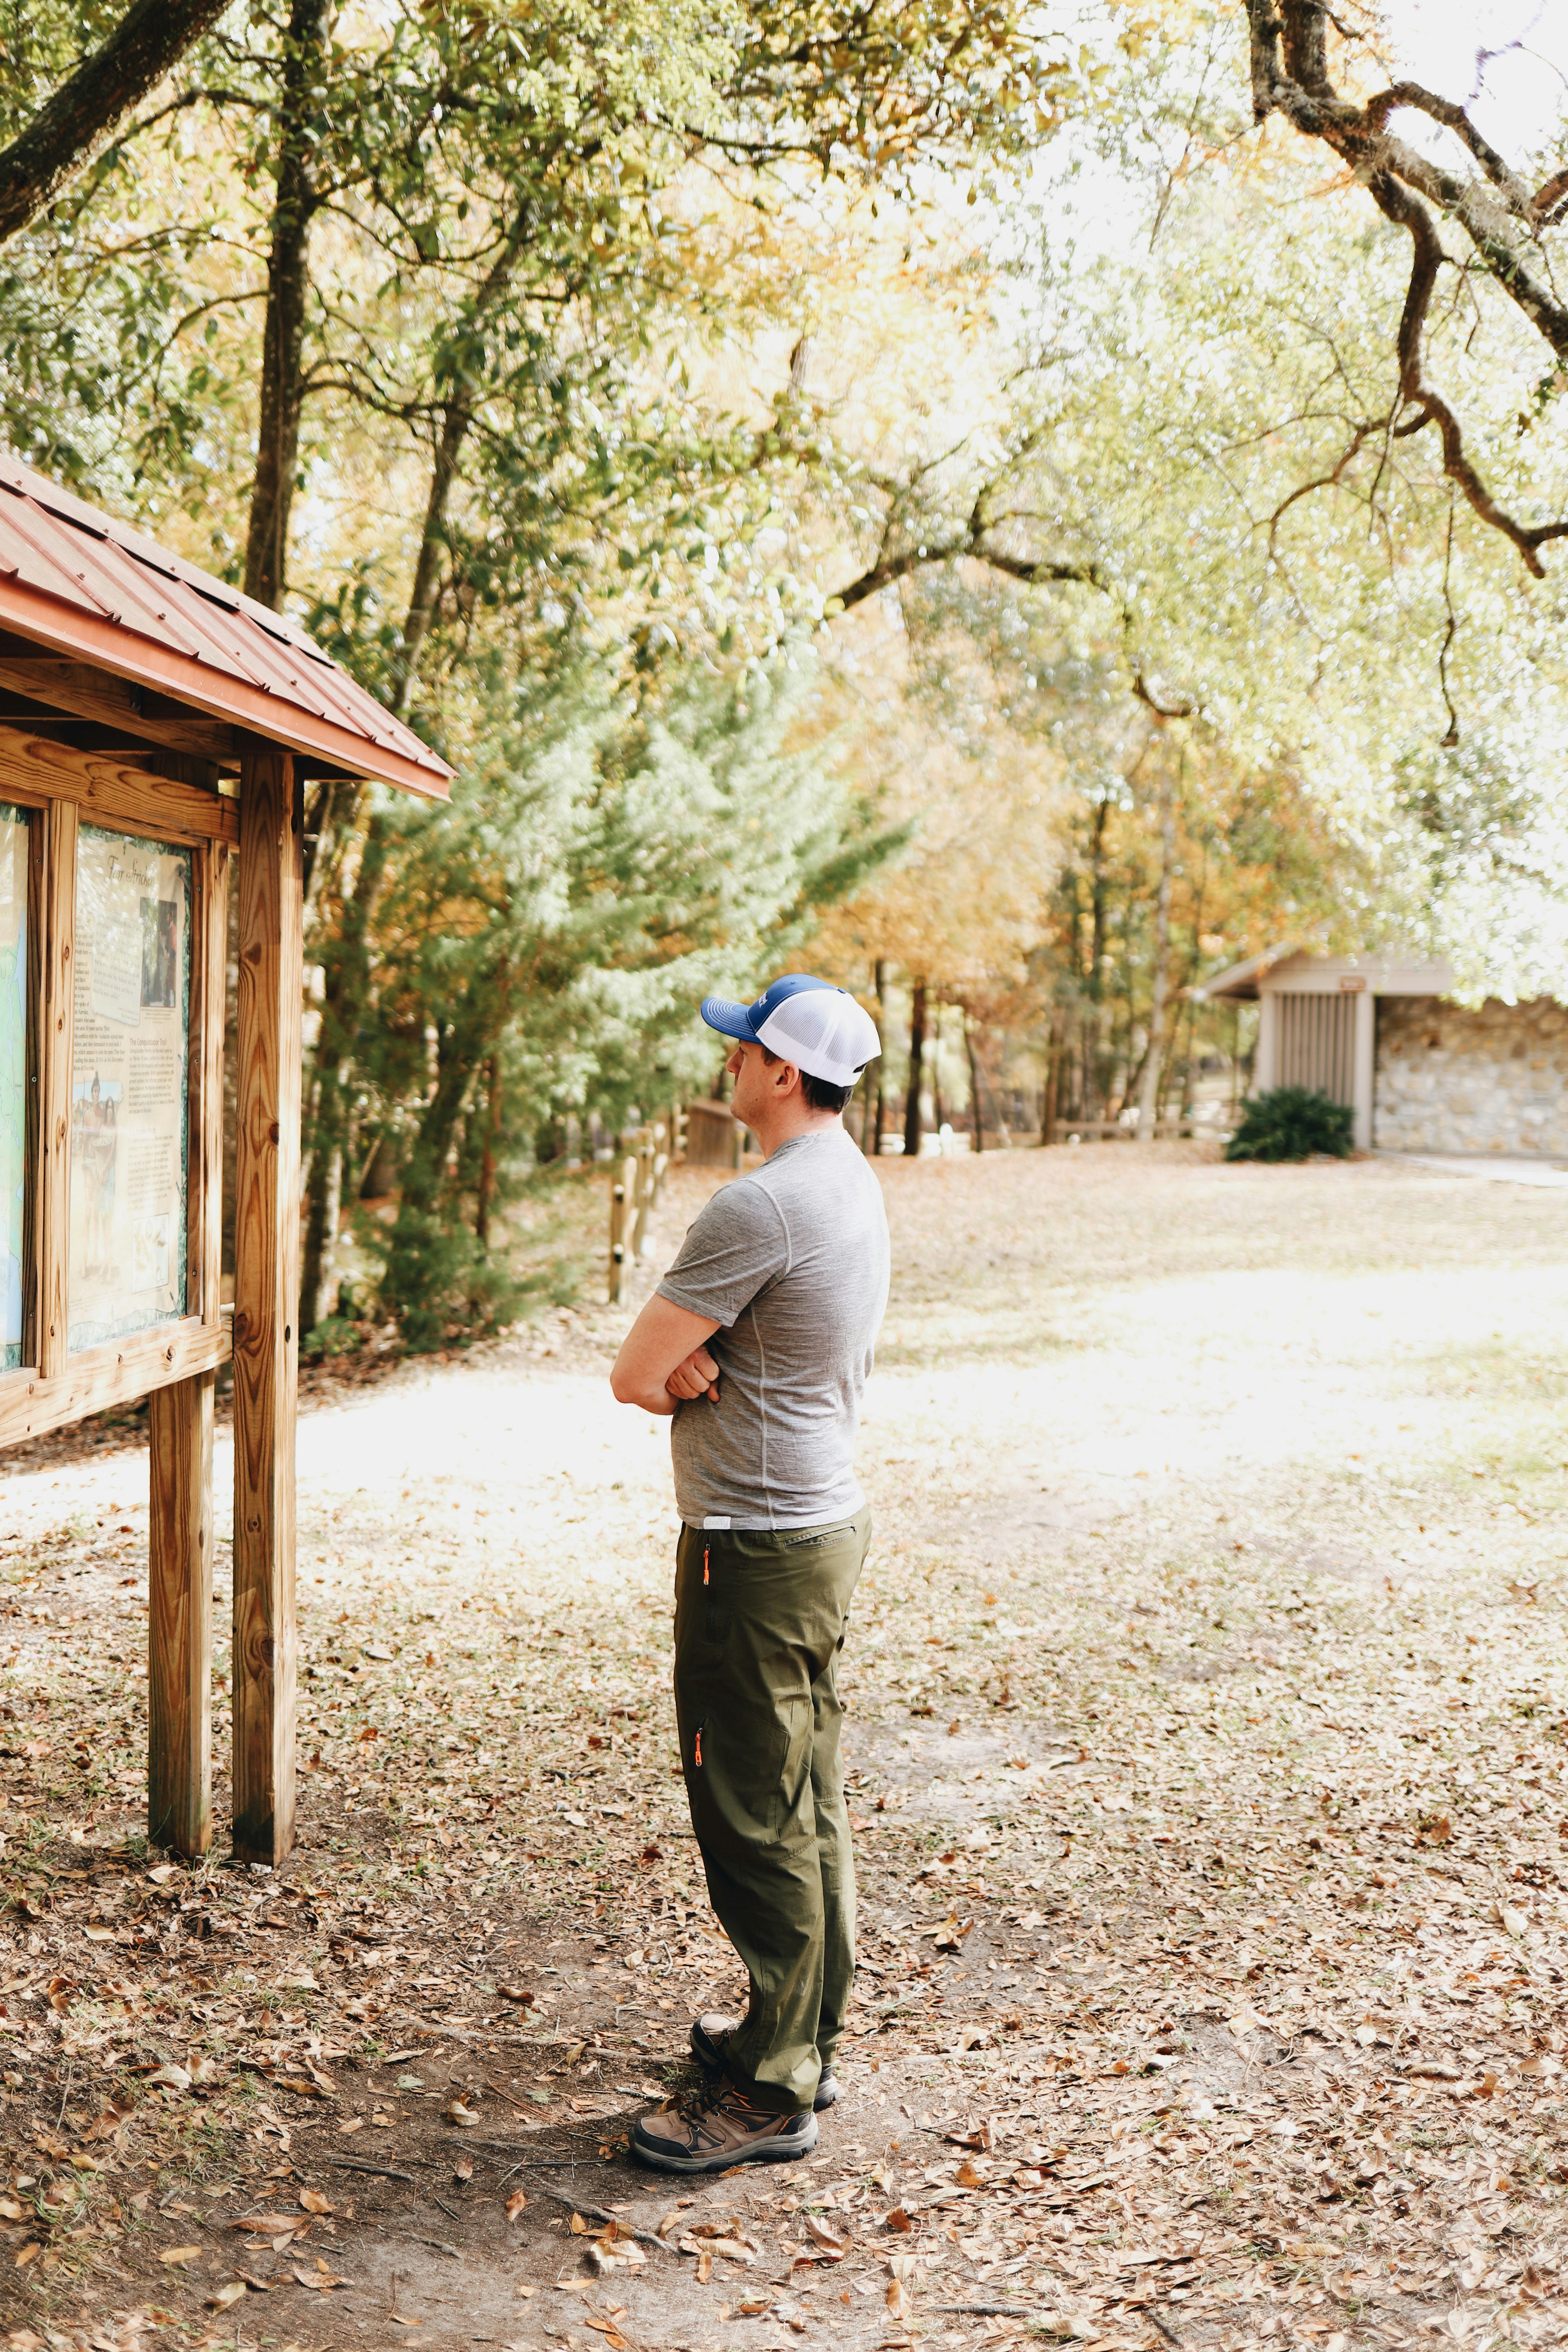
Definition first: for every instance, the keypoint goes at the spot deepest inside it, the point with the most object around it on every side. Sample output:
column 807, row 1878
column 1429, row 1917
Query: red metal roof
column 78, row 582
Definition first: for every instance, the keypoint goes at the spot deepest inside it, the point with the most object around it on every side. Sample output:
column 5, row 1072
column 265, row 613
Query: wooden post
column 208, row 1018
column 617, row 1241
column 180, row 1527
column 180, row 1616
column 645, row 1166
column 266, row 1300
column 629, row 1193
column 55, row 949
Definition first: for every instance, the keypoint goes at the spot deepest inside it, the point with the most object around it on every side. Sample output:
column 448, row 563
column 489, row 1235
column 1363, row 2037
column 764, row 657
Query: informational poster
column 130, row 1104
column 13, row 1075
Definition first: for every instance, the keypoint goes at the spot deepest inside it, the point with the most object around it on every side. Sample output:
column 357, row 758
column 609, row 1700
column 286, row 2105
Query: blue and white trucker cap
column 808, row 1022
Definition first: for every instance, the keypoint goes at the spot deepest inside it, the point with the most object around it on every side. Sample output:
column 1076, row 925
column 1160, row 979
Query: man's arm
column 663, row 1360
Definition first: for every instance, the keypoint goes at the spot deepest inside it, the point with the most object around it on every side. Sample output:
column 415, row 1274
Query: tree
column 68, row 130
column 1504, row 223
column 599, row 870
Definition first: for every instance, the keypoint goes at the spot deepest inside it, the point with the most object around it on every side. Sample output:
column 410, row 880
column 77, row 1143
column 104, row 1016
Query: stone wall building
column 1489, row 1080
column 1419, row 1071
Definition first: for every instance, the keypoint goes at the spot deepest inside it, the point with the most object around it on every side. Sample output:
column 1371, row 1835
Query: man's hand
column 697, row 1375
column 663, row 1361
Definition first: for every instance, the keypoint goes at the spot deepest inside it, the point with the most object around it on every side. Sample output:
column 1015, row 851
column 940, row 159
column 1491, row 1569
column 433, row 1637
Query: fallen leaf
column 231, row 2291
column 515, row 2204
column 27, row 2253
column 825, row 2236
column 704, row 2264
column 312, row 2201
column 176, row 2078
column 177, row 2257
column 457, row 2113
column 464, row 2168
column 97, row 1935
column 897, row 2219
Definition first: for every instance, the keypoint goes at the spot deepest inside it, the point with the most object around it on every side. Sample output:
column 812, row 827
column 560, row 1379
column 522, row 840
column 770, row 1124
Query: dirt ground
column 1207, row 1735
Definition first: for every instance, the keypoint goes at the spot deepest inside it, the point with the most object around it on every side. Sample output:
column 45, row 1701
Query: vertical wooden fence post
column 180, row 1449
column 630, row 1215
column 180, row 1616
column 265, row 1301
column 617, row 1242
column 645, row 1161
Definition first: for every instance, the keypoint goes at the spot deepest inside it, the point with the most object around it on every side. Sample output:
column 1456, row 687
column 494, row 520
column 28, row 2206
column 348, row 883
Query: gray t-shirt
column 791, row 1263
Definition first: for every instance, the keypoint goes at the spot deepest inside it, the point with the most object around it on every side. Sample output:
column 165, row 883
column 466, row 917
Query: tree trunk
column 880, row 1123
column 913, row 1123
column 456, row 421
column 148, row 43
column 287, row 293
column 342, row 1007
column 1053, row 1076
column 488, row 1157
column 975, row 1112
column 1094, row 1040
column 1149, row 1092
column 936, row 1118
column 871, row 1108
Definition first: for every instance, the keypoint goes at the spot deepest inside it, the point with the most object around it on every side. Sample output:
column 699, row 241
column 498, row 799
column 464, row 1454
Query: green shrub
column 337, row 1335
column 1291, row 1123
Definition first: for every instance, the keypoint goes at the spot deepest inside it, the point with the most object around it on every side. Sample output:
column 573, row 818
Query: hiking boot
column 711, row 2130
column 711, row 2040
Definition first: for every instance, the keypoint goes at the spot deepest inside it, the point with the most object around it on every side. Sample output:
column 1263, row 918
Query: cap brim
column 729, row 1020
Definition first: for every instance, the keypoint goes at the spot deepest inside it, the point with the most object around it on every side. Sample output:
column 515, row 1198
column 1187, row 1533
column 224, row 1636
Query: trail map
column 129, row 1058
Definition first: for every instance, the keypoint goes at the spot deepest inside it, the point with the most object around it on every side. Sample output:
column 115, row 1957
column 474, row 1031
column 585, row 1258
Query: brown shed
column 153, row 725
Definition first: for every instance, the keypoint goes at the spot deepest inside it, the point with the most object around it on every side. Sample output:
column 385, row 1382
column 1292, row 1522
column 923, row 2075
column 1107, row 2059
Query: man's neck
column 776, row 1132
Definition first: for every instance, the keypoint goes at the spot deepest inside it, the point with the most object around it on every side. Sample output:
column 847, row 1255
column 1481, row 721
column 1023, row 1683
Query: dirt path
column 1207, row 1730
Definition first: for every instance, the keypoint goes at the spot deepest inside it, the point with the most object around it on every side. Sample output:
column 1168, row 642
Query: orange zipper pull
column 704, row 1563
column 699, row 1756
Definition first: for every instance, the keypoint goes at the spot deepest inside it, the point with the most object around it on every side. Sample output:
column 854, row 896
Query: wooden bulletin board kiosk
column 154, row 727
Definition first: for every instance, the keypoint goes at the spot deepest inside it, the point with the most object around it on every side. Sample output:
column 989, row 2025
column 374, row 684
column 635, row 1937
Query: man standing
column 759, row 1341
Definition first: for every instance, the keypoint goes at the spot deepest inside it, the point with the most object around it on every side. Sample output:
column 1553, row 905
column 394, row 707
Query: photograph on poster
column 130, row 1138
column 13, row 1075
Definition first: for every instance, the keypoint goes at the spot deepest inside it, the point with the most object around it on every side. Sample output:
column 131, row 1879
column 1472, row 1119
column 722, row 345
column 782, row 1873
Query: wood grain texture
column 267, row 1282
column 117, row 1374
column 32, row 1131
column 107, row 792
column 51, row 1179
column 180, row 1616
column 91, row 693
column 209, row 974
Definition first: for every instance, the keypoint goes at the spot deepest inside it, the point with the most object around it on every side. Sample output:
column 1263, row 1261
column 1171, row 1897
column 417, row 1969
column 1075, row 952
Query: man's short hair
column 816, row 1092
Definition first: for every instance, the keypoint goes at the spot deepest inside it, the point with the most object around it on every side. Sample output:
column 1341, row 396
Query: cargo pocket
column 744, row 1753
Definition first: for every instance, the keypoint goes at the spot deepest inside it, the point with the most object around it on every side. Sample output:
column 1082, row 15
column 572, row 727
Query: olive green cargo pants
column 759, row 1620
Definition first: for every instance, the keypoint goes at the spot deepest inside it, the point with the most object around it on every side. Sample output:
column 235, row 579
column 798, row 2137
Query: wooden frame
column 140, row 694
column 175, row 1363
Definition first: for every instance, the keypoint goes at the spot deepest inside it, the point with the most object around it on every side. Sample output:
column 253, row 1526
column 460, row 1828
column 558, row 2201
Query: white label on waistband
column 715, row 1523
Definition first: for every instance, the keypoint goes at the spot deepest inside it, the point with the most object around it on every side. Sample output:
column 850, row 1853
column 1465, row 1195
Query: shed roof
column 79, row 583
column 1239, row 983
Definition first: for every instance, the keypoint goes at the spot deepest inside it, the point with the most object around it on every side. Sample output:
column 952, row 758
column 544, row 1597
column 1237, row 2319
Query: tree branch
column 1291, row 77
column 66, row 133
column 1396, row 204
